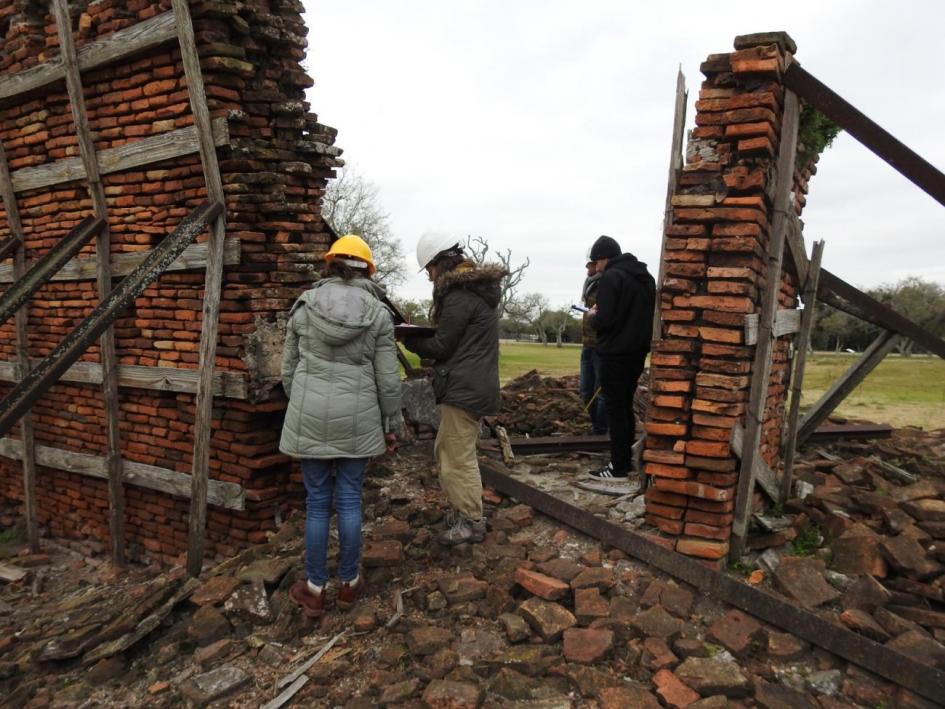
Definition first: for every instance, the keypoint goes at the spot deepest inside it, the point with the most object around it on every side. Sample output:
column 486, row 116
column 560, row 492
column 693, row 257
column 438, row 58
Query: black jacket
column 465, row 348
column 626, row 298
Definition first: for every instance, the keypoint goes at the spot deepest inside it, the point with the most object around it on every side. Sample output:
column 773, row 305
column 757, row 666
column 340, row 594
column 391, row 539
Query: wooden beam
column 796, row 248
column 761, row 368
column 123, row 43
column 164, row 146
column 764, row 476
column 232, row 385
column 675, row 165
column 874, row 354
column 787, row 322
column 212, row 286
column 21, row 322
column 70, row 65
column 83, row 269
column 809, row 297
column 222, row 494
column 839, row 294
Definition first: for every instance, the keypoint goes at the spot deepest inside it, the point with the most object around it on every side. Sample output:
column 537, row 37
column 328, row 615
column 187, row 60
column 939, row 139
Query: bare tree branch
column 477, row 248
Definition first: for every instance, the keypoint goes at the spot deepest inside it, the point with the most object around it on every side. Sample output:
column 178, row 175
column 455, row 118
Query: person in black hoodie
column 623, row 319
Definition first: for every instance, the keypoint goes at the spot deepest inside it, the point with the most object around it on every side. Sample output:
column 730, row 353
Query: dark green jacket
column 589, row 296
column 465, row 348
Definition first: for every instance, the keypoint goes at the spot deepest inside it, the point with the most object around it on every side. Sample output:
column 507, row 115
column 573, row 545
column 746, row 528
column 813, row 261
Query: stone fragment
column 527, row 659
column 251, row 603
column 865, row 688
column 477, row 644
column 214, row 684
column 547, row 619
column 598, row 577
column 673, row 691
column 516, row 629
column 207, row 625
column 215, row 590
column 803, row 580
column 856, row 551
column 590, row 681
column 538, row 584
column 689, row 647
column 673, row 598
column 784, row 646
column 443, row 694
column 626, row 696
column 908, row 557
column 738, row 633
column 398, row 692
column 657, row 655
column 589, row 605
column 657, row 623
column 716, row 702
column 214, row 652
column 587, row 645
column 777, row 696
column 893, row 623
column 866, row 593
column 267, row 571
column 271, row 655
column 862, row 622
column 563, row 569
column 519, row 515
column 386, row 552
column 106, row 669
column 920, row 647
column 512, row 685
column 709, row 676
column 826, row 682
column 462, row 588
column 364, row 619
column 441, row 663
column 929, row 510
column 916, row 491
column 393, row 529
column 426, row 640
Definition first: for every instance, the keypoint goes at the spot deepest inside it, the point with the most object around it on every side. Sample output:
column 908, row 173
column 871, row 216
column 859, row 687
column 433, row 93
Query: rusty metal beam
column 41, row 271
column 47, row 372
column 902, row 158
column 894, row 666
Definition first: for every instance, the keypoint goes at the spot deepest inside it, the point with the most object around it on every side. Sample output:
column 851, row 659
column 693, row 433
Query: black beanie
column 605, row 247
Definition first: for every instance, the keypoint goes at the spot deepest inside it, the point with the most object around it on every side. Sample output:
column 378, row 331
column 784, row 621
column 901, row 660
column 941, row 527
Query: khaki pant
column 455, row 452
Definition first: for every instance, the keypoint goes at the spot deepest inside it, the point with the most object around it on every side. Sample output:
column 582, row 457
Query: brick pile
column 274, row 173
column 715, row 273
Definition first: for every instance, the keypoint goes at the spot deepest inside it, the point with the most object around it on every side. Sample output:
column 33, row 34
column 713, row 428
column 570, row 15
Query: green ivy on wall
column 814, row 135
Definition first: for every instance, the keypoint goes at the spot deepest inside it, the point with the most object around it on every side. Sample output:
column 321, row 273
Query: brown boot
column 349, row 594
column 312, row 605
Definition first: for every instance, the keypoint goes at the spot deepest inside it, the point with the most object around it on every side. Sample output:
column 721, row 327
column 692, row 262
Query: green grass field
column 902, row 391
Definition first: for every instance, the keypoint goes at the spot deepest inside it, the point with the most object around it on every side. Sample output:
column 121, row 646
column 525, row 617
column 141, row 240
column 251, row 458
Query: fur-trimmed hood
column 483, row 280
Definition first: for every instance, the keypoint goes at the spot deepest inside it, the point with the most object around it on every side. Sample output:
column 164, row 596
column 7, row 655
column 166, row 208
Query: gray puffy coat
column 339, row 368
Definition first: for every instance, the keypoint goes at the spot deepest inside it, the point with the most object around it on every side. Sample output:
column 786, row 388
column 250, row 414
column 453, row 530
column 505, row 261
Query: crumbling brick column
column 715, row 271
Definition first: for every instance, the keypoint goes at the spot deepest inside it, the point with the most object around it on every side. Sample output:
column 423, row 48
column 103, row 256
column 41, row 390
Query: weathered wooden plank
column 764, row 475
column 212, row 287
column 9, row 245
column 143, row 35
column 222, row 494
column 796, row 248
column 787, row 322
column 809, row 296
column 761, row 367
column 83, row 269
column 21, row 320
column 164, row 146
column 70, row 65
column 675, row 165
column 232, row 385
column 874, row 354
column 839, row 294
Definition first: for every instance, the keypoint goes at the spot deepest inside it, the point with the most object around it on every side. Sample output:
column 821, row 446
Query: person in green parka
column 340, row 371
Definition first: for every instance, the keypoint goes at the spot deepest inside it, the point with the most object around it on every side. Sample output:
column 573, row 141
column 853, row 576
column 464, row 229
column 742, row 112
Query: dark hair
column 342, row 270
column 449, row 259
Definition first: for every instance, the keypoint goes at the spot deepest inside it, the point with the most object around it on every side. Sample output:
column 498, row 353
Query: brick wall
column 274, row 172
column 715, row 271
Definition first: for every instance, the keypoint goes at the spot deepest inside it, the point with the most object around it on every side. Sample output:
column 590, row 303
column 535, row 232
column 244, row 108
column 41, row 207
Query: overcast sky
column 540, row 125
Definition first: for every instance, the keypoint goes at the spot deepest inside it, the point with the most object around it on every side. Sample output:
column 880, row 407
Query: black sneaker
column 607, row 473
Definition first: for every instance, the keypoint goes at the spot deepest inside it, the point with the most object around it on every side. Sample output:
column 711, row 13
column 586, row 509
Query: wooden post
column 212, row 286
column 874, row 354
column 761, row 368
column 116, row 495
column 809, row 297
column 675, row 165
column 22, row 355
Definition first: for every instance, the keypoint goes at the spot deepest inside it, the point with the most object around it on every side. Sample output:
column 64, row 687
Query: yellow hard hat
column 352, row 246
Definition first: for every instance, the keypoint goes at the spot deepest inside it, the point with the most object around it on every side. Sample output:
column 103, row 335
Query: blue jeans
column 590, row 382
column 341, row 479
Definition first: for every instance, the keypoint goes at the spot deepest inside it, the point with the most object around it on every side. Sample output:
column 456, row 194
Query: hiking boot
column 463, row 530
column 313, row 605
column 349, row 593
column 607, row 474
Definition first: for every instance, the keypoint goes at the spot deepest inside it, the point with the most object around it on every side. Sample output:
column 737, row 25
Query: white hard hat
column 433, row 243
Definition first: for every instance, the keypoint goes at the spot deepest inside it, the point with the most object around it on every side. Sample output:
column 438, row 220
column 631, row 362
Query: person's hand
column 592, row 311
column 390, row 439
